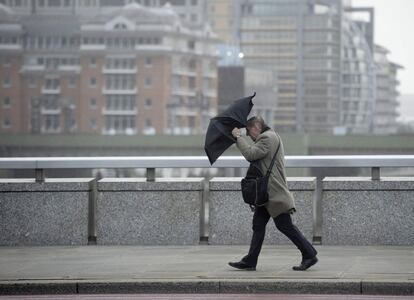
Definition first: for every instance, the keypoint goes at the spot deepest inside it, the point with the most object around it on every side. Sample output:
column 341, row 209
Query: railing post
column 317, row 211
column 93, row 194
column 151, row 174
column 375, row 173
column 204, row 226
column 40, row 175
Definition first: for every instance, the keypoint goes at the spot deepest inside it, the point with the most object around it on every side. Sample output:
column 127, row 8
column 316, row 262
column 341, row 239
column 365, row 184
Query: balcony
column 176, row 70
column 210, row 93
column 33, row 68
column 184, row 92
column 120, row 112
column 93, row 47
column 210, row 74
column 11, row 47
column 154, row 48
column 113, row 131
column 70, row 69
column 107, row 91
column 50, row 111
column 50, row 90
column 119, row 71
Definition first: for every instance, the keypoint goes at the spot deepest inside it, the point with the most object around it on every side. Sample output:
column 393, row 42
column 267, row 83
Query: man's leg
column 284, row 224
column 260, row 219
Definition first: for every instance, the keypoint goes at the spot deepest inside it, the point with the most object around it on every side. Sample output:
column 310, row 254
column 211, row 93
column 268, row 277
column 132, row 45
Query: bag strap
column 273, row 159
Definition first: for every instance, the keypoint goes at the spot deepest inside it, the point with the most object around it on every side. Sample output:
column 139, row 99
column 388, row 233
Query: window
column 192, row 64
column 6, row 81
column 52, row 83
column 55, row 3
column 92, row 123
column 148, row 123
column 192, row 122
column 194, row 2
column 148, row 82
column 72, row 82
column 32, row 82
column 148, row 62
column 6, row 62
column 120, row 26
column 92, row 82
column 52, row 122
column 92, row 103
column 6, row 102
column 92, row 62
column 191, row 82
column 148, row 103
column 6, row 122
column 191, row 45
column 177, row 2
column 119, row 82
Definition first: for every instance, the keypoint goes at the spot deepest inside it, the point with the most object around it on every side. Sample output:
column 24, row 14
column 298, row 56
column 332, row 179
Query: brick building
column 128, row 70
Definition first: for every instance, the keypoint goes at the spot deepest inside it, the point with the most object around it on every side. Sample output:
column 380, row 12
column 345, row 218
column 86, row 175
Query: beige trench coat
column 263, row 149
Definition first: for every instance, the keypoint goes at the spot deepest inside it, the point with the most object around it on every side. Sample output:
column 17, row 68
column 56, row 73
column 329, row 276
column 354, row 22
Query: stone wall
column 360, row 211
column 230, row 219
column 132, row 211
column 39, row 214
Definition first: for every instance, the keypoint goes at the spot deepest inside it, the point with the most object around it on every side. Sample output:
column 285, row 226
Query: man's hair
column 256, row 120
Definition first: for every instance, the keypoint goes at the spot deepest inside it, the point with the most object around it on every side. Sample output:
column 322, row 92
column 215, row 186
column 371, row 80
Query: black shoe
column 241, row 265
column 306, row 264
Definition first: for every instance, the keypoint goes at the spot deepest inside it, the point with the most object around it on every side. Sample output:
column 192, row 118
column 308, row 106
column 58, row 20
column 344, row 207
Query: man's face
column 254, row 131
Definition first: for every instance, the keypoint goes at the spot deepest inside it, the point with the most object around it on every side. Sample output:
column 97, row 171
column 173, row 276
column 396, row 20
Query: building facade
column 223, row 16
column 130, row 70
column 189, row 11
column 323, row 59
column 386, row 106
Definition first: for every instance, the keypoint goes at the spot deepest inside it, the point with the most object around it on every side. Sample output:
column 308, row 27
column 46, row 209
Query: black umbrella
column 218, row 136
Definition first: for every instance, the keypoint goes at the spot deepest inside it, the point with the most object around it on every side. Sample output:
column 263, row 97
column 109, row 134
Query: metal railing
column 39, row 164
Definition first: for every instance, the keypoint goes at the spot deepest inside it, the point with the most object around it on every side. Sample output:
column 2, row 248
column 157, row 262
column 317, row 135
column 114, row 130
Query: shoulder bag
column 254, row 185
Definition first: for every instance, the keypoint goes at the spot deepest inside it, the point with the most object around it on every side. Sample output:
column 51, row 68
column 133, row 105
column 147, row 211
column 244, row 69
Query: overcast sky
column 394, row 26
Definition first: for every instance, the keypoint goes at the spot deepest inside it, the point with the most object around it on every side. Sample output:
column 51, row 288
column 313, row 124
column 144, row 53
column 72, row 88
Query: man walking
column 280, row 205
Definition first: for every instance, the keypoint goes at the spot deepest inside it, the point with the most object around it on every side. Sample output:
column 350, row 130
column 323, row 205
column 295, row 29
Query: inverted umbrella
column 218, row 136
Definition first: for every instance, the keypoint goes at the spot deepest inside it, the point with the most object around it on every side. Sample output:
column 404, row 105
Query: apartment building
column 189, row 11
column 130, row 70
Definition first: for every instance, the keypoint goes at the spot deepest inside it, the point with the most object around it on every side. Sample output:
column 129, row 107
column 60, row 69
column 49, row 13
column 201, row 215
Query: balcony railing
column 50, row 90
column 118, row 91
column 109, row 70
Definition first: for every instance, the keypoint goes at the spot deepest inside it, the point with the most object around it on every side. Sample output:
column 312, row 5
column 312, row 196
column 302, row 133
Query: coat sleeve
column 256, row 151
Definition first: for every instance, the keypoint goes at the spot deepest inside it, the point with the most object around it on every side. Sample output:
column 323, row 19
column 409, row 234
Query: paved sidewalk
column 203, row 269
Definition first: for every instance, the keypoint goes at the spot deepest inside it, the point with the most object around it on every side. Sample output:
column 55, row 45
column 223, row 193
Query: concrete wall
column 131, row 211
column 51, row 213
column 360, row 211
column 231, row 219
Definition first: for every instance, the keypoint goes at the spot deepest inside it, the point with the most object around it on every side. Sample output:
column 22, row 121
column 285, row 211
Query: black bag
column 254, row 185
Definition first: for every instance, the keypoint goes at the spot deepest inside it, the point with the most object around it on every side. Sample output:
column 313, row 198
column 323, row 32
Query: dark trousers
column 283, row 224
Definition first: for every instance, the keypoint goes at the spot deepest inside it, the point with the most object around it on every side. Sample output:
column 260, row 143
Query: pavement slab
column 203, row 269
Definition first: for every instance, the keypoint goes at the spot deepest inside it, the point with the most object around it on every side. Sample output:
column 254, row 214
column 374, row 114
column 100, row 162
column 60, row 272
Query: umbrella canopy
column 218, row 136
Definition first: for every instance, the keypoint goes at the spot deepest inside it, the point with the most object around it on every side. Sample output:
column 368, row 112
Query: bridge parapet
column 341, row 210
